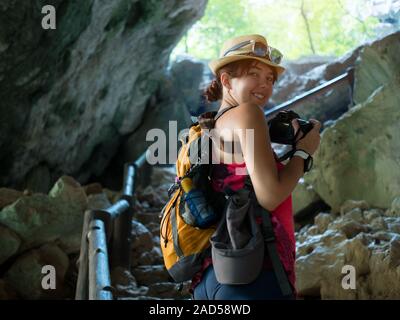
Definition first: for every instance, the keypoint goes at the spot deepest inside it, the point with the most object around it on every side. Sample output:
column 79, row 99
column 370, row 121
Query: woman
column 245, row 74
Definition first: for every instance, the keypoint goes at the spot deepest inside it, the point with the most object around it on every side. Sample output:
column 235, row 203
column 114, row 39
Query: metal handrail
column 105, row 242
column 347, row 76
column 99, row 273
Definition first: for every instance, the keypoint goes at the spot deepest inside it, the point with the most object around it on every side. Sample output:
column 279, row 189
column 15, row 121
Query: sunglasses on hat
column 259, row 49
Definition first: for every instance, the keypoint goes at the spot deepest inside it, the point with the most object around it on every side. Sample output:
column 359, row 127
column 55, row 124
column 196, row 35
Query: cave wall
column 68, row 96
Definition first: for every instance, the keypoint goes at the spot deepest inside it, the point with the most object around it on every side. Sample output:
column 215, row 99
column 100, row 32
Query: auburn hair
column 235, row 69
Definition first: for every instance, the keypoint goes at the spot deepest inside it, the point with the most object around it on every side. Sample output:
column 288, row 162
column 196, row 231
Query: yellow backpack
column 183, row 245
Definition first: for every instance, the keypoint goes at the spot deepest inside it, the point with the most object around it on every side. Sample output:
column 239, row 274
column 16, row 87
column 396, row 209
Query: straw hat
column 243, row 52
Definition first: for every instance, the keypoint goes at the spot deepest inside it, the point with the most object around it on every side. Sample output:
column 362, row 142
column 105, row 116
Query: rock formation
column 362, row 237
column 70, row 96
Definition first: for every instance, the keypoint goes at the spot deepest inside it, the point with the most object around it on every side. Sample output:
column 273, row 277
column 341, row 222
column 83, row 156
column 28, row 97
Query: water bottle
column 198, row 212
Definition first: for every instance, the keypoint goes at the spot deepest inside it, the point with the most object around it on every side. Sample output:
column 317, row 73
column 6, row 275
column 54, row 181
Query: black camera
column 281, row 129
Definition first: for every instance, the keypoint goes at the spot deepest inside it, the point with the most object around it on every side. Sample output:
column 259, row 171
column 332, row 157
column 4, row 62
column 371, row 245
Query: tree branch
column 303, row 14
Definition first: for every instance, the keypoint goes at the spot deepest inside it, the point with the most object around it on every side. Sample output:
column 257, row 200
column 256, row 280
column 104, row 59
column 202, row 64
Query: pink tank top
column 225, row 177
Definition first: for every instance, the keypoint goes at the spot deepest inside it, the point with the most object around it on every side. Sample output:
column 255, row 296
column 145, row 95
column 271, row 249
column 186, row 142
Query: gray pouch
column 237, row 245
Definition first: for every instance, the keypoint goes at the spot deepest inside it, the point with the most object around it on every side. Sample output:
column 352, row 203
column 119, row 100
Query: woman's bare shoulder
column 248, row 114
column 245, row 115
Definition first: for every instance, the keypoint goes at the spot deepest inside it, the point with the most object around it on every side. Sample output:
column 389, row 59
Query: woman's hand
column 312, row 139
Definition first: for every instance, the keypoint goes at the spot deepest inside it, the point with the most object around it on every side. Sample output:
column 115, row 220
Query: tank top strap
column 220, row 113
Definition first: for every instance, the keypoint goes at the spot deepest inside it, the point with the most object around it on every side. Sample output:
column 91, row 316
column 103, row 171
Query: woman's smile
column 259, row 96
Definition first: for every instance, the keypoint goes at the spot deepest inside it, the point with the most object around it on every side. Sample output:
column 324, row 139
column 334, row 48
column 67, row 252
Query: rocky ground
column 360, row 236
column 149, row 278
column 45, row 229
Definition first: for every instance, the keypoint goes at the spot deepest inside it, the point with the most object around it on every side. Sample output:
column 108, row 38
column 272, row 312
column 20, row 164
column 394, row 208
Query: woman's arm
column 270, row 185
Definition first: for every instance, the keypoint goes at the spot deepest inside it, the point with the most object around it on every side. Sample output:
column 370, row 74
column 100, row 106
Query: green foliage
column 222, row 20
column 334, row 28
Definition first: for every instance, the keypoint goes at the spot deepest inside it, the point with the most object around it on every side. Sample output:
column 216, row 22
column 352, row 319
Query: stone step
column 150, row 274
column 147, row 217
column 170, row 290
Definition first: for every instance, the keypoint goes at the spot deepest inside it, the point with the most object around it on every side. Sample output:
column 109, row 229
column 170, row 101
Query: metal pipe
column 121, row 243
column 121, row 214
column 81, row 292
column 108, row 215
column 349, row 76
column 112, row 212
column 99, row 272
column 101, row 226
column 142, row 170
column 141, row 160
column 129, row 180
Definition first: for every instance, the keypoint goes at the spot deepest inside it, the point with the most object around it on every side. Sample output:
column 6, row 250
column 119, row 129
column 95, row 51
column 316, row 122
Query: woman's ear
column 225, row 80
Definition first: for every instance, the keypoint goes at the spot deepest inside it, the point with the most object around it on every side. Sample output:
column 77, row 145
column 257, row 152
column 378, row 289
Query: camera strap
column 290, row 153
column 287, row 155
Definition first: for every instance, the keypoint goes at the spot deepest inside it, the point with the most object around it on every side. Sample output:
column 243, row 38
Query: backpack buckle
column 172, row 189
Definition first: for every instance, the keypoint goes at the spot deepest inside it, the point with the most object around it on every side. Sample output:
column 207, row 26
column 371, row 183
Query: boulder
column 98, row 201
column 71, row 243
column 68, row 190
column 142, row 242
column 328, row 105
column 305, row 64
column 349, row 205
column 93, row 188
column 150, row 274
column 170, row 290
column 359, row 240
column 151, row 197
column 148, row 217
column 157, row 255
column 8, row 196
column 39, row 218
column 113, row 196
column 302, row 196
column 371, row 214
column 10, row 243
column 395, row 208
column 186, row 75
column 125, row 285
column 322, row 221
column 377, row 65
column 26, row 274
column 163, row 175
column 154, row 228
column 354, row 154
column 147, row 258
column 7, row 292
column 383, row 280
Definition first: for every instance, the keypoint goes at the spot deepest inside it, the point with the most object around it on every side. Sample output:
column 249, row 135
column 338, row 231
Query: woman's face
column 253, row 86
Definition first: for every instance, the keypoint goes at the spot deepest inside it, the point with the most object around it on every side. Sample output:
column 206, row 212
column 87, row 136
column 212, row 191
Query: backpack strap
column 270, row 242
column 220, row 113
column 175, row 237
